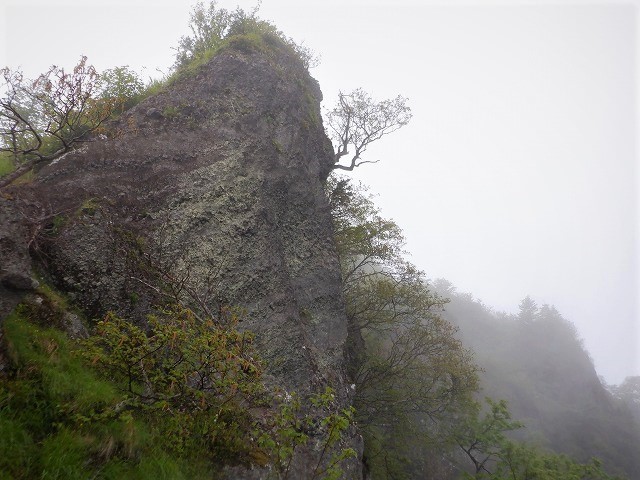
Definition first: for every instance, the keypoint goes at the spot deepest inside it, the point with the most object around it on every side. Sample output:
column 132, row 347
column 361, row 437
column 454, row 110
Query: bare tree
column 44, row 118
column 357, row 121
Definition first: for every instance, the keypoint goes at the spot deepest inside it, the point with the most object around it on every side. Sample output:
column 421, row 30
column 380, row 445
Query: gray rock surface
column 218, row 182
column 15, row 262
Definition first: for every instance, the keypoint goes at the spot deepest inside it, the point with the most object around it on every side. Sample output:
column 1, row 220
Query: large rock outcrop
column 216, row 182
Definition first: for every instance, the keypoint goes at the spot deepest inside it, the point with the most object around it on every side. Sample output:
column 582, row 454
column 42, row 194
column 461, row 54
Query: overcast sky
column 518, row 174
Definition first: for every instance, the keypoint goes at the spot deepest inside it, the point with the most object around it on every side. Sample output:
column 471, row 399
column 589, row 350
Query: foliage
column 121, row 87
column 213, row 27
column 174, row 400
column 72, row 423
column 543, row 370
column 522, row 461
column 43, row 401
column 6, row 163
column 412, row 375
column 482, row 439
column 628, row 393
column 170, row 112
column 628, row 390
column 494, row 456
column 357, row 121
column 528, row 311
column 364, row 239
column 334, row 423
column 284, row 432
column 200, row 375
column 414, row 380
column 209, row 25
column 43, row 118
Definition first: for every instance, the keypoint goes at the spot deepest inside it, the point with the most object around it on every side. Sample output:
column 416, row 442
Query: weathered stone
column 73, row 326
column 18, row 281
column 218, row 182
column 15, row 262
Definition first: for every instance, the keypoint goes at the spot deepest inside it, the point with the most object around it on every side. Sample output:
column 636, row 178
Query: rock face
column 217, row 183
column 15, row 263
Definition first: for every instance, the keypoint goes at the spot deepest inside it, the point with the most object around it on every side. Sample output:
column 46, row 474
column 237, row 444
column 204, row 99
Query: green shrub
column 213, row 28
column 170, row 112
column 121, row 86
column 6, row 163
column 59, row 419
column 173, row 400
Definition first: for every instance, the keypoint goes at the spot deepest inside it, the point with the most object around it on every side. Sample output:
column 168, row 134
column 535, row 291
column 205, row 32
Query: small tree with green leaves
column 289, row 429
column 209, row 25
column 120, row 87
column 521, row 461
column 411, row 373
column 484, row 441
column 201, row 376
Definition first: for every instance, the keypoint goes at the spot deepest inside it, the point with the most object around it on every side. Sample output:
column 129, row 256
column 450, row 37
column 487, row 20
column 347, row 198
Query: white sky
column 518, row 173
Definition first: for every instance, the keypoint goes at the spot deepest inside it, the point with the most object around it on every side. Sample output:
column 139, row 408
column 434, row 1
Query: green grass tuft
column 6, row 165
column 63, row 456
column 60, row 419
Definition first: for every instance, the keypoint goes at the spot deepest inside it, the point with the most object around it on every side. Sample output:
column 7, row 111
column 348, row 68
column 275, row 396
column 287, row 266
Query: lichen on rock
column 218, row 182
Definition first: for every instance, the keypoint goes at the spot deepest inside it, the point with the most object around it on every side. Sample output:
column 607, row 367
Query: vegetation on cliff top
column 43, row 118
column 214, row 28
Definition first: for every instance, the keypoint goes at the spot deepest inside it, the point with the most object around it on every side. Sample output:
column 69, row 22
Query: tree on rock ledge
column 357, row 121
column 44, row 118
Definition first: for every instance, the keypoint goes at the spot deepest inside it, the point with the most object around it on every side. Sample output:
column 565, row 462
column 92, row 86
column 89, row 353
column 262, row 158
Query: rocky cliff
column 212, row 188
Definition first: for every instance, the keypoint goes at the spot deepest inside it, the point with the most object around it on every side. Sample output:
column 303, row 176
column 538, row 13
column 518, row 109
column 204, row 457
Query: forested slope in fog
column 536, row 361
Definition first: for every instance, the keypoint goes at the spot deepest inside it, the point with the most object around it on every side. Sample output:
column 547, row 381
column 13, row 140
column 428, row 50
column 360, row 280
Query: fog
column 518, row 172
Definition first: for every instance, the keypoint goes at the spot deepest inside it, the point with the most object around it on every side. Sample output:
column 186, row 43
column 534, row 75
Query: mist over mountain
column 536, row 361
column 190, row 289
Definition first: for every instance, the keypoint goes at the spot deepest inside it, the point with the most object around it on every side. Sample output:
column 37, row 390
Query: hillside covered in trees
column 536, row 361
column 189, row 290
column 542, row 392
